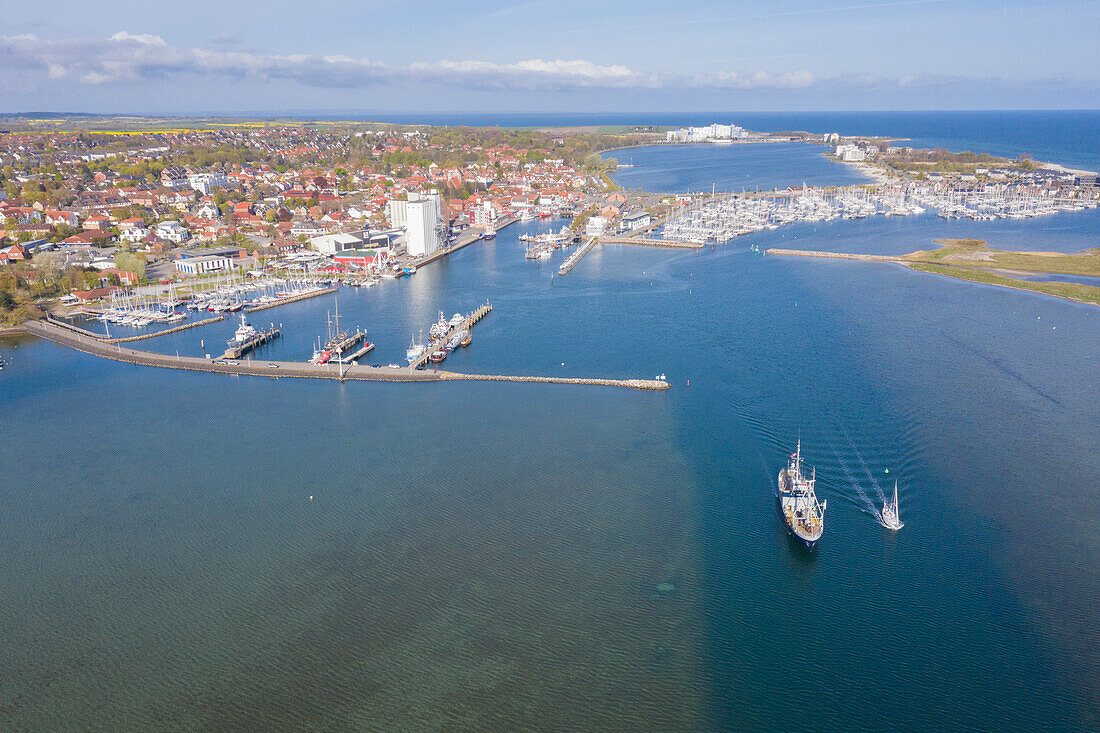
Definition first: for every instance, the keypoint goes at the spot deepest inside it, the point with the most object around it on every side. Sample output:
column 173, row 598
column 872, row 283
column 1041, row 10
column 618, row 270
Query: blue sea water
column 191, row 551
column 1067, row 137
column 751, row 167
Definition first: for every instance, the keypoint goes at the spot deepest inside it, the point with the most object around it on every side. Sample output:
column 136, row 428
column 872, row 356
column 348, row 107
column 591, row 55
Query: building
column 330, row 244
column 204, row 264
column 850, row 153
column 424, row 224
column 638, row 220
column 204, row 183
column 173, row 231
column 173, row 177
column 595, row 226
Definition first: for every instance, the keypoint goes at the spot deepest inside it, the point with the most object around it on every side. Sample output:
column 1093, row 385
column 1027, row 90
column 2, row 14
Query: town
column 86, row 215
column 92, row 216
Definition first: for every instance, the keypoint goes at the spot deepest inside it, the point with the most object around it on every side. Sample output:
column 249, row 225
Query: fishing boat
column 890, row 517
column 415, row 350
column 457, row 320
column 490, row 233
column 803, row 516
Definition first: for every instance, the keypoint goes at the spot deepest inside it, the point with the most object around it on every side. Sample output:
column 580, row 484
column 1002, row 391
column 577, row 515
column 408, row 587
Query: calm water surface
column 509, row 556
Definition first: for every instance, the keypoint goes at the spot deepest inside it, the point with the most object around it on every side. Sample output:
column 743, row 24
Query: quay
column 575, row 258
column 291, row 299
column 301, row 370
column 261, row 338
column 466, row 325
column 466, row 239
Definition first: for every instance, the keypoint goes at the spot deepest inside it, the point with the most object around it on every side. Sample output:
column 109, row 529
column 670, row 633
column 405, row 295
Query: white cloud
column 136, row 57
column 129, row 56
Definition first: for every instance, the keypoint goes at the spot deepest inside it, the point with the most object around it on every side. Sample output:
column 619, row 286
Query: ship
column 244, row 333
column 890, row 517
column 803, row 516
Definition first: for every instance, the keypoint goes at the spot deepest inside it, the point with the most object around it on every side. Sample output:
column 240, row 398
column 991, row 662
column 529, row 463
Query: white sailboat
column 890, row 517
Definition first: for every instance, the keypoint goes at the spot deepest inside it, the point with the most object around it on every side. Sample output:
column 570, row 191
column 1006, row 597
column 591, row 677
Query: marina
column 721, row 217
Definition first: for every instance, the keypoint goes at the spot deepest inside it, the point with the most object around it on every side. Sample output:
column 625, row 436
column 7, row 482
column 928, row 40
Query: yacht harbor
column 722, row 217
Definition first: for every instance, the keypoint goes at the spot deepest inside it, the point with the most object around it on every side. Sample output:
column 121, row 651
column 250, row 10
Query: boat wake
column 867, row 505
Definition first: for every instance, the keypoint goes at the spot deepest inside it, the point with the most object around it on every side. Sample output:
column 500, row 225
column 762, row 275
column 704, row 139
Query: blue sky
column 564, row 56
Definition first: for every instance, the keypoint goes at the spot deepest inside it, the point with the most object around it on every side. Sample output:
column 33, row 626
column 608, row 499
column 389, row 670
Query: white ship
column 803, row 516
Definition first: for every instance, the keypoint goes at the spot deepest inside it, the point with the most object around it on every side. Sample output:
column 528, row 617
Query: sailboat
column 890, row 518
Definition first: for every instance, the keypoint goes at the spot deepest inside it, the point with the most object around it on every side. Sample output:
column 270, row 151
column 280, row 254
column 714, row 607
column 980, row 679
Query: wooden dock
column 301, row 370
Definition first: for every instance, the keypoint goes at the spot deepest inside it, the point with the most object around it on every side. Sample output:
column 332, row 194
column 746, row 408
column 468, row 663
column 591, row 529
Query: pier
column 301, row 370
column 466, row 325
column 261, row 338
column 575, row 258
column 291, row 299
column 651, row 242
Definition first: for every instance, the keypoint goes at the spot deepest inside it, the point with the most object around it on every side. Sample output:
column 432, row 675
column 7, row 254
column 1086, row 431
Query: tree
column 50, row 265
column 131, row 262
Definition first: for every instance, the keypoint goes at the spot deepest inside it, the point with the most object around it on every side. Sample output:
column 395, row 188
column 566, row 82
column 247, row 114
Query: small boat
column 466, row 339
column 890, row 518
column 410, row 270
column 437, row 356
column 490, row 233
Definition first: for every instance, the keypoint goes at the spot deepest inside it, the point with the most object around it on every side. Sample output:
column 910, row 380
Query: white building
column 702, row 134
column 204, row 183
column 173, row 231
column 424, row 224
column 595, row 226
column 330, row 244
column 639, row 220
column 202, row 265
column 850, row 153
column 134, row 234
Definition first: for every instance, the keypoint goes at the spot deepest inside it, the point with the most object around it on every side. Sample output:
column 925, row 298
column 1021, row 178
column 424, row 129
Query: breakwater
column 291, row 299
column 300, row 370
column 128, row 339
column 648, row 242
column 835, row 255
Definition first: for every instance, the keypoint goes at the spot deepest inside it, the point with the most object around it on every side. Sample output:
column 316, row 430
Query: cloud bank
column 137, row 58
column 130, row 57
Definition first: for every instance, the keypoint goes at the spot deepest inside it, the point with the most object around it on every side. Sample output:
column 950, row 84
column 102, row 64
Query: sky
column 200, row 57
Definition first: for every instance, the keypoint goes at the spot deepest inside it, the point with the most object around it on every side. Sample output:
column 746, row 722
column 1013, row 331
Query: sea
column 189, row 551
